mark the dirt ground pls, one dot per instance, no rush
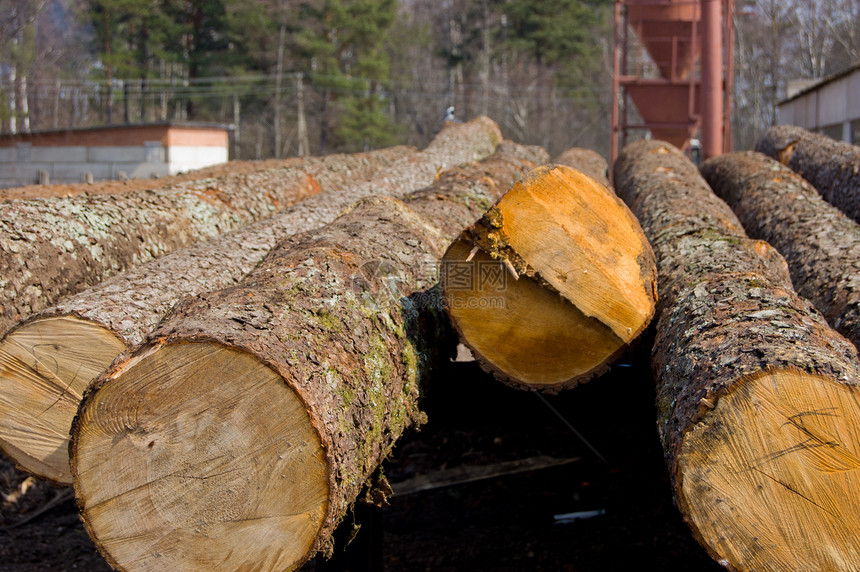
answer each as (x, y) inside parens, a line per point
(505, 522)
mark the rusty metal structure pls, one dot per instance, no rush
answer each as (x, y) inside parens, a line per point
(673, 61)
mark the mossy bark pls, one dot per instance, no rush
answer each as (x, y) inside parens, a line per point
(819, 242)
(55, 247)
(727, 314)
(122, 310)
(833, 167)
(132, 304)
(346, 316)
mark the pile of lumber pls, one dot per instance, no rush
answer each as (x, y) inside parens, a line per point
(221, 404)
(45, 381)
(51, 248)
(831, 166)
(757, 397)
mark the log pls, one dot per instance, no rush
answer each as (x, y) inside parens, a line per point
(47, 362)
(582, 283)
(833, 167)
(757, 397)
(820, 243)
(239, 435)
(586, 161)
(55, 247)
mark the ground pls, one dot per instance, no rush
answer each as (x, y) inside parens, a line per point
(500, 523)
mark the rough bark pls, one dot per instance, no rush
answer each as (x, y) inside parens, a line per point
(82, 335)
(55, 247)
(582, 282)
(833, 167)
(820, 243)
(757, 397)
(586, 161)
(338, 322)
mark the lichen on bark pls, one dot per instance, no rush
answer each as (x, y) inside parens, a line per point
(340, 314)
(819, 242)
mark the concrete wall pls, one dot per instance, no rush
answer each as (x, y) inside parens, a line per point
(21, 165)
(830, 109)
(111, 152)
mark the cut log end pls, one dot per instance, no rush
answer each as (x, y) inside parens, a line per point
(527, 334)
(786, 443)
(579, 280)
(45, 366)
(226, 476)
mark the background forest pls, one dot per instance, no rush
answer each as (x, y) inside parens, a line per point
(316, 76)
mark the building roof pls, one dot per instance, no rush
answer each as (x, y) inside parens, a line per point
(131, 134)
(825, 81)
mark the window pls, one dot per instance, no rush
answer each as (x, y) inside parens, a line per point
(833, 131)
(855, 131)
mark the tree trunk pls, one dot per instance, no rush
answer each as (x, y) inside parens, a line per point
(757, 397)
(81, 336)
(552, 283)
(301, 122)
(831, 166)
(270, 404)
(55, 247)
(276, 103)
(820, 243)
(586, 161)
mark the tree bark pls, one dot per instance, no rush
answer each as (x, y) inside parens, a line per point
(55, 247)
(831, 166)
(820, 243)
(586, 161)
(757, 397)
(582, 283)
(269, 405)
(51, 358)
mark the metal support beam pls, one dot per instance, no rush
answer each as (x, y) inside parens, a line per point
(712, 78)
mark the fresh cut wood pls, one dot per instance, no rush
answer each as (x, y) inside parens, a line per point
(47, 362)
(833, 167)
(819, 242)
(54, 247)
(552, 283)
(239, 435)
(757, 397)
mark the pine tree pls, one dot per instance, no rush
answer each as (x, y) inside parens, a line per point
(343, 43)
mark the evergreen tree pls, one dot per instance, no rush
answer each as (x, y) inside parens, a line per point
(343, 43)
(553, 31)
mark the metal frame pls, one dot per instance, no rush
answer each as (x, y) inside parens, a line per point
(691, 117)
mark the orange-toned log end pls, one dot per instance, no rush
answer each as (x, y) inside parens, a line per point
(769, 478)
(552, 283)
(195, 456)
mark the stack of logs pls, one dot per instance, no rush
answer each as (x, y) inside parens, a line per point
(221, 406)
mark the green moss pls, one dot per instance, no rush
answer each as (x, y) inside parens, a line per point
(714, 234)
(410, 359)
(346, 393)
(753, 282)
(474, 198)
(328, 321)
(391, 326)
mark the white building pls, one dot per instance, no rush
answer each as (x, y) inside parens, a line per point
(830, 106)
(114, 152)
